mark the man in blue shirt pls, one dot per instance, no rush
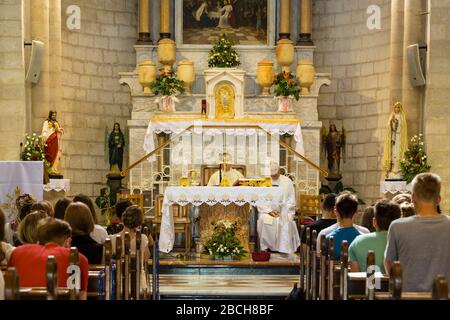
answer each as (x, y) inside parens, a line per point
(346, 207)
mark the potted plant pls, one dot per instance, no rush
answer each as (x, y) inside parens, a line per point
(223, 54)
(286, 86)
(223, 243)
(415, 160)
(167, 85)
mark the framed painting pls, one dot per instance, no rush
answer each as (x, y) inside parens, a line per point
(245, 22)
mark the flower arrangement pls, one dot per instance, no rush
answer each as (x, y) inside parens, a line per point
(286, 85)
(167, 84)
(223, 242)
(415, 160)
(34, 149)
(223, 55)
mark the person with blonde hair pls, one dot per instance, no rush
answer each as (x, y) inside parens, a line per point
(396, 142)
(28, 227)
(80, 219)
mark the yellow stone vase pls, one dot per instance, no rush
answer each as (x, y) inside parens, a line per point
(167, 53)
(147, 75)
(305, 75)
(265, 76)
(285, 54)
(186, 72)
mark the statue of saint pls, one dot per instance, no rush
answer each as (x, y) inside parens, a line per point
(334, 147)
(396, 142)
(51, 138)
(224, 102)
(116, 143)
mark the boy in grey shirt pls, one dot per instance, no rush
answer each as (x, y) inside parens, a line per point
(421, 243)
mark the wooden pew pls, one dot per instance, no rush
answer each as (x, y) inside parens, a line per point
(126, 269)
(330, 268)
(308, 264)
(302, 262)
(323, 269)
(119, 273)
(313, 265)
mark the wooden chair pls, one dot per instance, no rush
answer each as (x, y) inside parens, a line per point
(181, 219)
(309, 206)
(208, 170)
(136, 199)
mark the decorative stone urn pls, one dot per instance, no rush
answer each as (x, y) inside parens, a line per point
(147, 75)
(186, 73)
(265, 77)
(167, 53)
(305, 75)
(285, 54)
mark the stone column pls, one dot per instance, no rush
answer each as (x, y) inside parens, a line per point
(165, 19)
(304, 37)
(285, 20)
(144, 22)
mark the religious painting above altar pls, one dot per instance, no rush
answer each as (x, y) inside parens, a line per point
(244, 21)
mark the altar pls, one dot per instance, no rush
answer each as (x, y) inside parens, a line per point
(211, 196)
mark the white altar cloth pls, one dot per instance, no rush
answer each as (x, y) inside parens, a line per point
(394, 187)
(211, 196)
(169, 126)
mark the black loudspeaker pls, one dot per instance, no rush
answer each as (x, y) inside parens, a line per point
(37, 56)
(415, 72)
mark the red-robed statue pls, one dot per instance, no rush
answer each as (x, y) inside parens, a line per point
(51, 137)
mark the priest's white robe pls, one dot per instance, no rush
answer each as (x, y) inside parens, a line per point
(281, 233)
(233, 176)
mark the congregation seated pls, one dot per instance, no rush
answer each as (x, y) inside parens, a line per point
(346, 207)
(30, 260)
(27, 232)
(44, 206)
(421, 242)
(116, 224)
(80, 219)
(328, 216)
(225, 172)
(99, 233)
(60, 208)
(385, 212)
(132, 219)
(277, 230)
(6, 248)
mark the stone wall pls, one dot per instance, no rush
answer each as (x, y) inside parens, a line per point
(437, 107)
(93, 99)
(358, 97)
(12, 80)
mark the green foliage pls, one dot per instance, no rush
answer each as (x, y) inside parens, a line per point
(167, 84)
(223, 55)
(223, 242)
(415, 160)
(106, 200)
(286, 85)
(338, 189)
(33, 149)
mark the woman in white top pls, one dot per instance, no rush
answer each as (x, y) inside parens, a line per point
(99, 234)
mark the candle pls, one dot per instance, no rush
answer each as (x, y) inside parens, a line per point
(203, 107)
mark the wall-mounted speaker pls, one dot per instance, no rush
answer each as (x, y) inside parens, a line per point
(415, 72)
(36, 59)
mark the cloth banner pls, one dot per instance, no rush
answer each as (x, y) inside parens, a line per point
(16, 178)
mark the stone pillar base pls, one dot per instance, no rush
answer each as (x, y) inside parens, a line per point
(115, 182)
(144, 38)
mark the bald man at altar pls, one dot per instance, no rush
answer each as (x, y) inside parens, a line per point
(276, 227)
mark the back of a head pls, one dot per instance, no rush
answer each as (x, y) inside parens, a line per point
(426, 187)
(366, 220)
(53, 230)
(133, 217)
(329, 202)
(407, 210)
(80, 219)
(121, 206)
(43, 206)
(87, 201)
(346, 205)
(25, 209)
(28, 227)
(385, 212)
(402, 198)
(60, 208)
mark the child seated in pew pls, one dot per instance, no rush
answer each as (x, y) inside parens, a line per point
(27, 232)
(385, 212)
(116, 225)
(99, 233)
(60, 208)
(346, 207)
(30, 260)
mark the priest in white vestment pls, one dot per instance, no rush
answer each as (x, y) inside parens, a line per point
(225, 172)
(277, 229)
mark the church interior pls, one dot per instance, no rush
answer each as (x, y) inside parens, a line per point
(224, 149)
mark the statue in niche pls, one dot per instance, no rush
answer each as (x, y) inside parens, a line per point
(116, 144)
(224, 97)
(52, 138)
(396, 143)
(334, 149)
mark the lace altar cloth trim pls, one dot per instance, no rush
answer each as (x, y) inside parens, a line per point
(395, 187)
(57, 185)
